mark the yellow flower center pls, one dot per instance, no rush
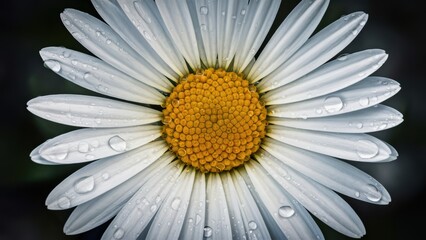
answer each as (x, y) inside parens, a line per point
(213, 120)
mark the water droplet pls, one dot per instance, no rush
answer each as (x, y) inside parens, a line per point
(83, 147)
(176, 203)
(60, 152)
(203, 27)
(153, 208)
(382, 126)
(87, 76)
(85, 184)
(119, 233)
(243, 12)
(74, 62)
(286, 211)
(366, 149)
(117, 143)
(359, 125)
(362, 23)
(204, 10)
(105, 176)
(208, 231)
(333, 104)
(357, 194)
(108, 41)
(364, 101)
(90, 157)
(318, 110)
(197, 219)
(54, 65)
(252, 225)
(373, 194)
(64, 202)
(343, 57)
(355, 32)
(223, 13)
(66, 54)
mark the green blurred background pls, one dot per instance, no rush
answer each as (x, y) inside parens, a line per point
(27, 26)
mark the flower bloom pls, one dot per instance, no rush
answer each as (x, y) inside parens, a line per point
(205, 140)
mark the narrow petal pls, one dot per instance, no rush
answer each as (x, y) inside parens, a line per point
(367, 93)
(218, 225)
(193, 226)
(292, 218)
(316, 51)
(289, 37)
(232, 14)
(86, 111)
(147, 19)
(178, 21)
(102, 41)
(112, 14)
(330, 172)
(37, 158)
(95, 75)
(258, 19)
(319, 200)
(88, 182)
(330, 77)
(169, 220)
(356, 147)
(363, 121)
(94, 143)
(101, 209)
(142, 207)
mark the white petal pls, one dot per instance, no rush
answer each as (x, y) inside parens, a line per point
(289, 37)
(169, 220)
(193, 226)
(99, 210)
(351, 146)
(94, 74)
(330, 77)
(111, 12)
(102, 41)
(86, 111)
(320, 201)
(37, 158)
(330, 172)
(292, 218)
(147, 19)
(229, 29)
(88, 182)
(178, 21)
(218, 225)
(142, 207)
(250, 212)
(259, 17)
(316, 51)
(367, 120)
(93, 143)
(367, 93)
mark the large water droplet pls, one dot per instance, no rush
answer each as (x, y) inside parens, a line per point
(54, 65)
(204, 10)
(60, 152)
(119, 233)
(85, 184)
(333, 104)
(64, 202)
(208, 231)
(373, 194)
(252, 225)
(176, 203)
(83, 147)
(286, 211)
(117, 143)
(366, 149)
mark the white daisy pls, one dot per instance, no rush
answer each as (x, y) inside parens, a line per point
(215, 144)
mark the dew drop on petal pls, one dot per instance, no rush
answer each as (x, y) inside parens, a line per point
(197, 219)
(364, 101)
(286, 211)
(204, 10)
(359, 125)
(366, 149)
(105, 176)
(176, 203)
(243, 12)
(60, 153)
(333, 104)
(357, 194)
(343, 57)
(64, 202)
(208, 231)
(90, 157)
(83, 147)
(54, 65)
(153, 208)
(117, 143)
(373, 194)
(85, 184)
(119, 233)
(252, 225)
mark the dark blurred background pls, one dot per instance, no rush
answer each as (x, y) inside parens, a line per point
(27, 26)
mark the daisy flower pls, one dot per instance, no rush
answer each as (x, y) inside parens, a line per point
(207, 136)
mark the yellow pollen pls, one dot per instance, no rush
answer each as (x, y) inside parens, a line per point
(213, 120)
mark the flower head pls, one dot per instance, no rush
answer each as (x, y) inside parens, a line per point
(211, 136)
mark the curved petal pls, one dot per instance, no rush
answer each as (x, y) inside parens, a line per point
(363, 121)
(330, 77)
(37, 158)
(289, 37)
(93, 143)
(367, 93)
(258, 19)
(319, 200)
(89, 181)
(95, 75)
(147, 19)
(316, 51)
(142, 207)
(86, 111)
(102, 41)
(111, 12)
(101, 209)
(357, 146)
(330, 172)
